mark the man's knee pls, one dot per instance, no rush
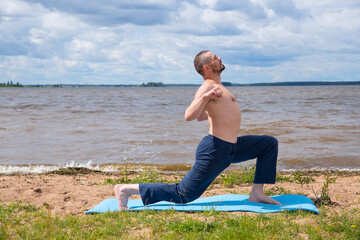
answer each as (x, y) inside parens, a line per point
(272, 141)
(191, 193)
(189, 197)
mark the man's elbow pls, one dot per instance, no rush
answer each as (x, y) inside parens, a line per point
(188, 117)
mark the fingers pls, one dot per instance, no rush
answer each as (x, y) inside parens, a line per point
(216, 92)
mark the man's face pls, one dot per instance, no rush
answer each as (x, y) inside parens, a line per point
(216, 63)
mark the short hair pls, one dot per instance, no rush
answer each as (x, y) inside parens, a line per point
(200, 60)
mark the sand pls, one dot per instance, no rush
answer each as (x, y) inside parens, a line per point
(74, 194)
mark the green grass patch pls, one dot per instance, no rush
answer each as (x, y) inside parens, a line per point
(277, 191)
(23, 221)
(247, 174)
(235, 177)
(73, 171)
(324, 198)
(146, 176)
(301, 179)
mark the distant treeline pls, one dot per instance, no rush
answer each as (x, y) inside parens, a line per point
(313, 83)
(153, 84)
(11, 84)
(79, 85)
(160, 84)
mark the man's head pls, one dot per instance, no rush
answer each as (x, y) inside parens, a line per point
(206, 61)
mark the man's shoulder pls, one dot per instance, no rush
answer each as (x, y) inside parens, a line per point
(207, 85)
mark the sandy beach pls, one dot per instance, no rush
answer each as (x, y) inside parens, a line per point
(74, 194)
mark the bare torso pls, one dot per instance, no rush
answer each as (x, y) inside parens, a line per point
(224, 116)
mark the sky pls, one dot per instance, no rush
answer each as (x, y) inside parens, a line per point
(139, 41)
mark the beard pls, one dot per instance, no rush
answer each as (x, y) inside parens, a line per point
(222, 68)
(218, 68)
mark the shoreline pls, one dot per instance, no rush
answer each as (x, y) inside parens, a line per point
(33, 169)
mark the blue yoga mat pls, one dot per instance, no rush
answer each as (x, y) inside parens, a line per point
(225, 203)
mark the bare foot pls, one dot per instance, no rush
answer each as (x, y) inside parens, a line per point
(262, 198)
(258, 195)
(123, 192)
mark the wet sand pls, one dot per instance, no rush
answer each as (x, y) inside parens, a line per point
(74, 194)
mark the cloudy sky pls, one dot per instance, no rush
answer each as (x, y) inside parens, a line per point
(136, 41)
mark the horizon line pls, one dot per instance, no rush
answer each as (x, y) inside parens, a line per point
(294, 83)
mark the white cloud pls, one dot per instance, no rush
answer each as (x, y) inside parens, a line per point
(135, 41)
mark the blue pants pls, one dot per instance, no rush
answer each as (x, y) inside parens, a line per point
(213, 155)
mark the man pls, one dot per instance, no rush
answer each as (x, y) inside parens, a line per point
(215, 103)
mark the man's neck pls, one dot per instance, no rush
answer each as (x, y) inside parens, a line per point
(212, 81)
(215, 78)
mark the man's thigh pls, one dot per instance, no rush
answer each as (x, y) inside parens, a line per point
(250, 147)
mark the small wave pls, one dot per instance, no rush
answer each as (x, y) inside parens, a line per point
(37, 169)
(319, 169)
(87, 111)
(78, 132)
(174, 155)
(107, 168)
(270, 102)
(332, 139)
(245, 110)
(317, 98)
(315, 127)
(265, 130)
(32, 106)
(164, 142)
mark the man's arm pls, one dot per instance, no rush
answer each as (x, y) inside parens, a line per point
(202, 117)
(205, 93)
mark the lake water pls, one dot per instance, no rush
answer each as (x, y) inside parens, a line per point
(318, 127)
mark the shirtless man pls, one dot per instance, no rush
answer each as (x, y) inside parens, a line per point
(216, 151)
